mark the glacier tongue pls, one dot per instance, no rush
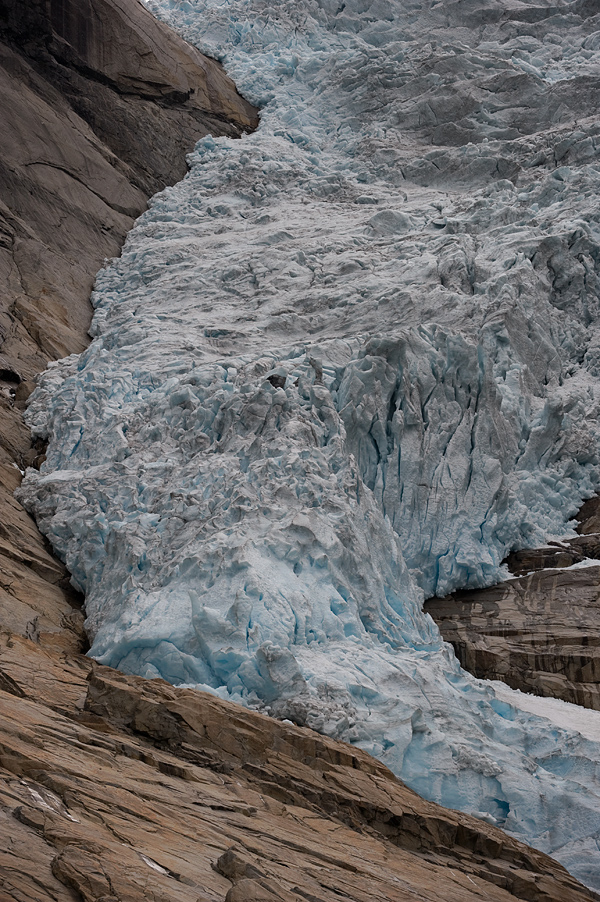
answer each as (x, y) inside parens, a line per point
(350, 361)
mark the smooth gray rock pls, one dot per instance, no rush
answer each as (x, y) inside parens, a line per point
(90, 128)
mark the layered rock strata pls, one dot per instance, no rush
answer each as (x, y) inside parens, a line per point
(117, 788)
(113, 788)
(539, 632)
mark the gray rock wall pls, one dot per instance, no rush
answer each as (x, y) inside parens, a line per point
(99, 104)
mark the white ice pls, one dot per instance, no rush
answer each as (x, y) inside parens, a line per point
(349, 362)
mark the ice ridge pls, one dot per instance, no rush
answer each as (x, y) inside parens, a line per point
(349, 362)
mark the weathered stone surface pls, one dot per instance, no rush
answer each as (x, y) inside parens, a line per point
(117, 788)
(539, 633)
(522, 562)
(144, 92)
(99, 104)
(557, 554)
(589, 517)
(113, 789)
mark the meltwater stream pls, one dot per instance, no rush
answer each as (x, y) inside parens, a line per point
(349, 362)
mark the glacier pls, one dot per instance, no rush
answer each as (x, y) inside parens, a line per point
(349, 362)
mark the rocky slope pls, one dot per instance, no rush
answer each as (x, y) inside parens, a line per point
(539, 632)
(351, 360)
(119, 789)
(112, 787)
(99, 104)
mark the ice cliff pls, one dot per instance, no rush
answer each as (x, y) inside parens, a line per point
(349, 362)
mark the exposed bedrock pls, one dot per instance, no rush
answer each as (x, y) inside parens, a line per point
(539, 632)
(99, 103)
(120, 789)
(348, 361)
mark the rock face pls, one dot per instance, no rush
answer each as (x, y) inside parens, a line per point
(112, 788)
(540, 632)
(99, 103)
(117, 788)
(555, 554)
(585, 546)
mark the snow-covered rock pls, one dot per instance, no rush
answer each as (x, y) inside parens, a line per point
(349, 362)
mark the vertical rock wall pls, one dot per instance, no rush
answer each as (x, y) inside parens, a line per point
(99, 104)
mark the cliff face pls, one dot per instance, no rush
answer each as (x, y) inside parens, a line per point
(538, 632)
(99, 104)
(120, 789)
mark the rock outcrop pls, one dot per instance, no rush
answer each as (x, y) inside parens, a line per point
(99, 103)
(112, 788)
(117, 788)
(539, 632)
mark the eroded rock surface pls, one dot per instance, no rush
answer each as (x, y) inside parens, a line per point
(539, 632)
(99, 104)
(117, 788)
(113, 788)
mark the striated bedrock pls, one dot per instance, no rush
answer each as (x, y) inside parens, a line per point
(351, 360)
(119, 789)
(99, 104)
(539, 633)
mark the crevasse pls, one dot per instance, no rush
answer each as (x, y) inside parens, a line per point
(348, 362)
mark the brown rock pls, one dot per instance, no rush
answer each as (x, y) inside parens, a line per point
(522, 562)
(254, 891)
(236, 868)
(559, 554)
(99, 104)
(539, 633)
(117, 788)
(112, 788)
(589, 517)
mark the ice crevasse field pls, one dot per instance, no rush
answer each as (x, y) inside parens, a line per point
(349, 362)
